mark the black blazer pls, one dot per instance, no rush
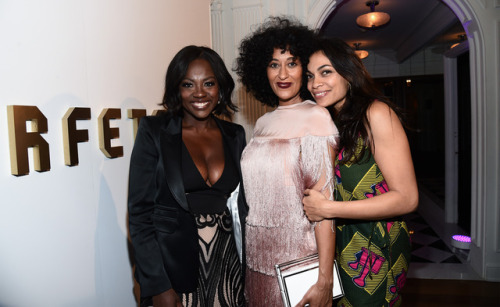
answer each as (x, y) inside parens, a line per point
(162, 230)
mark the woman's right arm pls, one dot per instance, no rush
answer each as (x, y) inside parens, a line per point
(149, 268)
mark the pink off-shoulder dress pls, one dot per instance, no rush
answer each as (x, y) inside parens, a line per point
(291, 150)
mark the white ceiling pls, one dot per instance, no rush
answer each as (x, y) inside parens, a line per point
(414, 24)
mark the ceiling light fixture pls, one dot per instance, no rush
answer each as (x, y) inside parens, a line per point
(462, 38)
(360, 53)
(373, 19)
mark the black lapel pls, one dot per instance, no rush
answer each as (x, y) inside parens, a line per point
(232, 141)
(170, 143)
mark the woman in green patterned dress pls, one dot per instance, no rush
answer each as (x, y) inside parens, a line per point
(374, 173)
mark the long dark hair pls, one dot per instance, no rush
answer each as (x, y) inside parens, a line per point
(352, 120)
(177, 70)
(256, 51)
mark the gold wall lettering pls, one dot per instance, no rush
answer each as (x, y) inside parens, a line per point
(20, 139)
(72, 136)
(106, 133)
(135, 115)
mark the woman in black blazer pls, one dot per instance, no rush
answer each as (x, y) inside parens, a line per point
(183, 168)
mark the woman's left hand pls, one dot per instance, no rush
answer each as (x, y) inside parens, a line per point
(317, 296)
(313, 205)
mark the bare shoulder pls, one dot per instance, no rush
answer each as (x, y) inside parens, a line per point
(380, 112)
(384, 122)
(382, 116)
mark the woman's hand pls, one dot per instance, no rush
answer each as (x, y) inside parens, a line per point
(167, 299)
(314, 203)
(319, 295)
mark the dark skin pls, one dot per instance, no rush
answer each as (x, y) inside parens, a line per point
(167, 298)
(201, 135)
(205, 147)
(200, 94)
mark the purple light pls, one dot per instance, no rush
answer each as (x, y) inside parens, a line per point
(461, 241)
(462, 238)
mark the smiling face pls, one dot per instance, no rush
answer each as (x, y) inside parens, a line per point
(199, 91)
(327, 86)
(284, 73)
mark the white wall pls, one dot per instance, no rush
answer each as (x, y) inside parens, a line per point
(63, 233)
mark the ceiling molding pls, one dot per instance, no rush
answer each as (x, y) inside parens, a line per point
(319, 12)
(440, 19)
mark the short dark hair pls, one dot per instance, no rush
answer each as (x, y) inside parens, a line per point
(256, 52)
(177, 70)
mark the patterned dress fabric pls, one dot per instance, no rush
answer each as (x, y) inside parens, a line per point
(290, 151)
(373, 256)
(220, 280)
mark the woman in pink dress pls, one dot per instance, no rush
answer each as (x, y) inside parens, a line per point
(291, 150)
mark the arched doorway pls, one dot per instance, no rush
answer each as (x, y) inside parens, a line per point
(465, 13)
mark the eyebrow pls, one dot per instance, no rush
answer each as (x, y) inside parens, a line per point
(207, 78)
(293, 58)
(320, 68)
(323, 66)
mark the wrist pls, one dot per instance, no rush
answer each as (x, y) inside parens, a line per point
(325, 281)
(332, 209)
(325, 208)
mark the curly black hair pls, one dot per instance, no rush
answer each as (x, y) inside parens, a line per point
(177, 70)
(256, 51)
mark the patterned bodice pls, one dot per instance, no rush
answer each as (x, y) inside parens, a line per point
(354, 181)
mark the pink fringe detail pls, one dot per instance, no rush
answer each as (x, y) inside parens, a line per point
(277, 229)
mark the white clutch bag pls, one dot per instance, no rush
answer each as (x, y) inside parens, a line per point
(297, 276)
(232, 204)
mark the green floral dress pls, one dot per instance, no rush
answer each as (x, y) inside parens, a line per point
(373, 256)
